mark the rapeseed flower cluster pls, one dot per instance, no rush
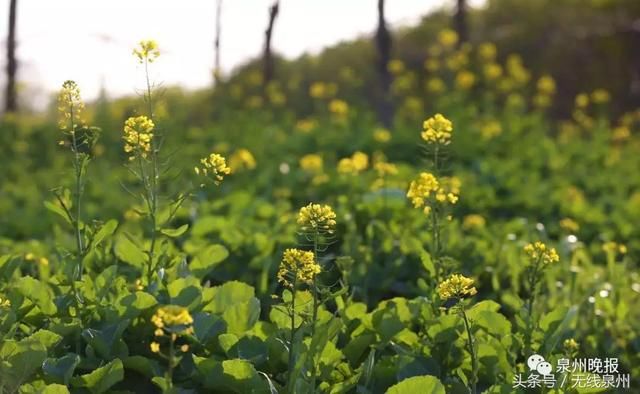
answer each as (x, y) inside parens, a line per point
(353, 165)
(138, 134)
(173, 320)
(426, 189)
(317, 218)
(297, 266)
(146, 51)
(538, 251)
(311, 163)
(437, 130)
(215, 166)
(70, 106)
(456, 286)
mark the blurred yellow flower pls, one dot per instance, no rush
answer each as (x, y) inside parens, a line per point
(435, 85)
(146, 51)
(214, 165)
(492, 71)
(539, 252)
(306, 125)
(600, 96)
(353, 165)
(473, 221)
(465, 80)
(582, 100)
(381, 135)
(546, 85)
(614, 247)
(70, 106)
(448, 38)
(569, 225)
(311, 163)
(155, 347)
(487, 51)
(339, 107)
(396, 66)
(490, 129)
(432, 64)
(242, 159)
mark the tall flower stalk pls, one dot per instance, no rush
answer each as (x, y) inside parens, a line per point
(80, 140)
(539, 256)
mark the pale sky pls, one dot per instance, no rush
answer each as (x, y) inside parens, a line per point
(90, 41)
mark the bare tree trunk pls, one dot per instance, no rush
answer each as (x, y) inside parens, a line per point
(383, 42)
(11, 104)
(460, 22)
(268, 56)
(216, 71)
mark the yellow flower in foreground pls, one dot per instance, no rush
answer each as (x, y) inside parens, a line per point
(147, 50)
(540, 252)
(317, 218)
(171, 317)
(138, 133)
(437, 129)
(456, 286)
(297, 266)
(70, 106)
(215, 166)
(155, 347)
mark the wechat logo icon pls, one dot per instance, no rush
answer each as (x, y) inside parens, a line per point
(537, 363)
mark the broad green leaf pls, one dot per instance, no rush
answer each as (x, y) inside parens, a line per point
(58, 210)
(175, 232)
(61, 369)
(237, 376)
(207, 259)
(240, 317)
(101, 379)
(105, 231)
(132, 305)
(228, 294)
(38, 292)
(418, 384)
(129, 252)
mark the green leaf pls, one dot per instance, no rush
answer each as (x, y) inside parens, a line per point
(105, 231)
(230, 293)
(207, 326)
(132, 305)
(175, 232)
(61, 369)
(208, 259)
(129, 252)
(418, 384)
(104, 341)
(58, 210)
(238, 376)
(20, 360)
(427, 263)
(38, 292)
(555, 329)
(240, 317)
(145, 366)
(103, 378)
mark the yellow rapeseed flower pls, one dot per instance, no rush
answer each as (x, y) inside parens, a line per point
(215, 166)
(155, 347)
(138, 134)
(546, 85)
(242, 159)
(600, 96)
(317, 218)
(173, 318)
(456, 286)
(70, 106)
(437, 129)
(311, 163)
(146, 51)
(571, 346)
(184, 348)
(435, 85)
(538, 251)
(492, 71)
(396, 66)
(381, 135)
(297, 266)
(582, 100)
(353, 165)
(339, 107)
(448, 38)
(614, 247)
(473, 221)
(465, 80)
(569, 224)
(487, 51)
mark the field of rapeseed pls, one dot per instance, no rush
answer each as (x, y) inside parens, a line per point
(145, 248)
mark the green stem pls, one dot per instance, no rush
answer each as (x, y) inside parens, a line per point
(472, 351)
(315, 309)
(171, 360)
(533, 279)
(293, 329)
